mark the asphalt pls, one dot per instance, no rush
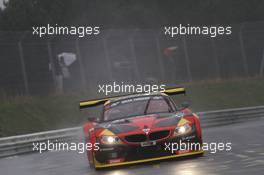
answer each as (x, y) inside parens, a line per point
(246, 157)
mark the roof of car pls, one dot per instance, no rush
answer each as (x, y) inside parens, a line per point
(134, 96)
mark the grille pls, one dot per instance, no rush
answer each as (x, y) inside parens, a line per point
(136, 138)
(159, 135)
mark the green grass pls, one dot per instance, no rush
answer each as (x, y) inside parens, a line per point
(22, 114)
(215, 95)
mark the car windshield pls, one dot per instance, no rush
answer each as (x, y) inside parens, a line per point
(137, 106)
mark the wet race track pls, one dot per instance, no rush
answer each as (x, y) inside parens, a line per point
(246, 157)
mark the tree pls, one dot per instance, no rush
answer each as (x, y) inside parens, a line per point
(23, 14)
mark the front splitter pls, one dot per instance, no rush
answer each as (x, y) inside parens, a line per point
(99, 165)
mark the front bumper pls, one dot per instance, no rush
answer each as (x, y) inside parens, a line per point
(124, 154)
(102, 165)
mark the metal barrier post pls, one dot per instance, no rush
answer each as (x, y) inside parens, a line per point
(243, 53)
(51, 62)
(187, 58)
(107, 59)
(80, 61)
(217, 66)
(132, 47)
(23, 67)
(160, 61)
(262, 65)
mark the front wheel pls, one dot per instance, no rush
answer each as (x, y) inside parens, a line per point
(91, 160)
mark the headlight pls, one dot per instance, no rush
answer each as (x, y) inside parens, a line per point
(181, 130)
(110, 140)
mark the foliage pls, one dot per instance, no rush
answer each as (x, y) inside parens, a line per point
(23, 14)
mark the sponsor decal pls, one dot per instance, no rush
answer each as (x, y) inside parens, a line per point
(183, 151)
(150, 143)
(188, 137)
(106, 149)
(116, 160)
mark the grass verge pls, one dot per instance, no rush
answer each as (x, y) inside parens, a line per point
(23, 114)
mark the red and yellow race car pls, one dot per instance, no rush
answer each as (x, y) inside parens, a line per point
(141, 128)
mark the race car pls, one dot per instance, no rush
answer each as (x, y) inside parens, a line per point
(141, 128)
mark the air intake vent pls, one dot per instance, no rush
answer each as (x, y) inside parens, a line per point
(159, 135)
(136, 138)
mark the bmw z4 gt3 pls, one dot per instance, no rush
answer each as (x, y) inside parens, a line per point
(141, 128)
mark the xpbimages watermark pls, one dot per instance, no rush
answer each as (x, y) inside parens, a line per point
(212, 147)
(80, 31)
(212, 31)
(81, 147)
(54, 146)
(129, 88)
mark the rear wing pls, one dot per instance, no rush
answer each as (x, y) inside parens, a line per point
(96, 102)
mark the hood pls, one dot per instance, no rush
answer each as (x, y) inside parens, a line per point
(142, 122)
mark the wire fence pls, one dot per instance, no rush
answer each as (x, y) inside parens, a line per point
(28, 63)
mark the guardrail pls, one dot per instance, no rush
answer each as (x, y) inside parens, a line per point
(230, 116)
(24, 143)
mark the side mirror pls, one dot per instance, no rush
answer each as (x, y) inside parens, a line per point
(185, 105)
